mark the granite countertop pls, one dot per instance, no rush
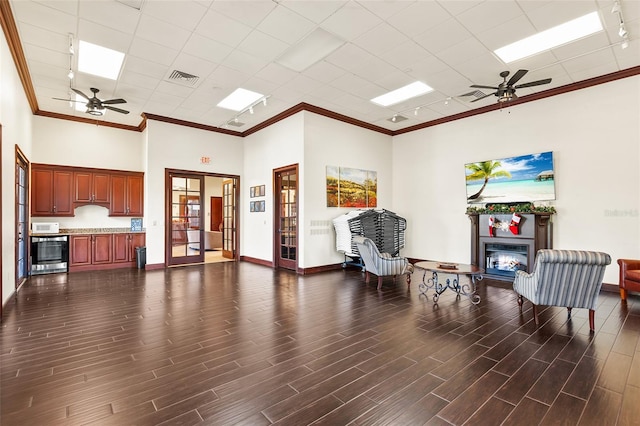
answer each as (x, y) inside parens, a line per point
(75, 231)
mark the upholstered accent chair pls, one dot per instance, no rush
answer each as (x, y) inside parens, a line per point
(569, 278)
(381, 264)
(629, 276)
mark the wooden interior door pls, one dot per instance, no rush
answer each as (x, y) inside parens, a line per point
(216, 213)
(286, 217)
(22, 218)
(229, 231)
(185, 213)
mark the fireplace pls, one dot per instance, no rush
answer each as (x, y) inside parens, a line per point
(502, 251)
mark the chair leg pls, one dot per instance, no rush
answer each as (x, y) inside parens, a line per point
(379, 283)
(366, 277)
(520, 302)
(592, 320)
(408, 280)
(623, 293)
(568, 312)
(535, 314)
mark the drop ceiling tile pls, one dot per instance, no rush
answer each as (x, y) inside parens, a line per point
(137, 85)
(457, 7)
(143, 67)
(315, 11)
(276, 73)
(47, 56)
(222, 29)
(163, 33)
(419, 17)
(385, 9)
(581, 47)
(325, 92)
(102, 36)
(225, 77)
(507, 32)
(173, 89)
(557, 12)
(244, 62)
(442, 36)
(394, 80)
(184, 14)
(350, 83)
(374, 69)
(381, 39)
(207, 49)
(286, 25)
(350, 21)
(47, 39)
(152, 52)
(263, 46)
(584, 63)
(324, 71)
(259, 85)
(44, 17)
(489, 14)
(349, 57)
(248, 12)
(462, 52)
(110, 14)
(405, 54)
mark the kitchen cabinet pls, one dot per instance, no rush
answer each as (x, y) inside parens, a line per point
(91, 187)
(93, 252)
(58, 190)
(90, 249)
(51, 192)
(124, 246)
(126, 195)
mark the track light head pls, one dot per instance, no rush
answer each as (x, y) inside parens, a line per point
(622, 32)
(616, 8)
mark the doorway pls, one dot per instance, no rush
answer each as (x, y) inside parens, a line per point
(193, 218)
(22, 217)
(286, 217)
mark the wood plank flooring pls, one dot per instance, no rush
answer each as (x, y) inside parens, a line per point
(239, 343)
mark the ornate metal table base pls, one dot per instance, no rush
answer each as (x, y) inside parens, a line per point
(453, 283)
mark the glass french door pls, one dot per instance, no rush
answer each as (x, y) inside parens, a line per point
(286, 213)
(186, 218)
(22, 225)
(229, 219)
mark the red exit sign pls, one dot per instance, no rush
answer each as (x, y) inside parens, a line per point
(205, 160)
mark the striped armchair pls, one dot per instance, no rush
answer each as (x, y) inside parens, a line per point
(568, 278)
(381, 264)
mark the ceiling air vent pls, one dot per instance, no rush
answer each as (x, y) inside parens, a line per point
(235, 123)
(183, 78)
(397, 118)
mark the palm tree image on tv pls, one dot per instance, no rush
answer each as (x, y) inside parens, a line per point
(485, 170)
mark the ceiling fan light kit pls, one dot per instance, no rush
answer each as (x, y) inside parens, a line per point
(506, 91)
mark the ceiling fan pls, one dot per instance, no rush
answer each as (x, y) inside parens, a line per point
(94, 105)
(506, 91)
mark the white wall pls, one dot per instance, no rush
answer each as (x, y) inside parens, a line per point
(334, 143)
(169, 146)
(595, 138)
(15, 118)
(279, 145)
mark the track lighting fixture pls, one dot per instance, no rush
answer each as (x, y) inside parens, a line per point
(70, 74)
(622, 31)
(235, 121)
(415, 111)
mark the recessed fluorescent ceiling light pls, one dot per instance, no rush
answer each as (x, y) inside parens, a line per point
(100, 61)
(402, 94)
(553, 37)
(311, 49)
(239, 99)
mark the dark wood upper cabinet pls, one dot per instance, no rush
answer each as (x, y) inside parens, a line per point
(51, 192)
(58, 190)
(91, 187)
(126, 195)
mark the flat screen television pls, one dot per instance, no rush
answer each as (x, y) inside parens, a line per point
(526, 178)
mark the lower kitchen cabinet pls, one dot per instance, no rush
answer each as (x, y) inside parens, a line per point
(124, 246)
(91, 252)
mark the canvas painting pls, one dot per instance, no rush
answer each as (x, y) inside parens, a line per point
(347, 187)
(525, 178)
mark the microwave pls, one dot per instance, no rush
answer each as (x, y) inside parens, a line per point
(45, 227)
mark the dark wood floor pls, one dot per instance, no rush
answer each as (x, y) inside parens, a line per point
(241, 343)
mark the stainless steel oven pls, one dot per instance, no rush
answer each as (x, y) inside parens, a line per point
(49, 254)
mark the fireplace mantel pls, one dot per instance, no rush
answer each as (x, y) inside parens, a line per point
(534, 234)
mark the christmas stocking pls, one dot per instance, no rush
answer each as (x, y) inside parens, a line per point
(492, 229)
(514, 226)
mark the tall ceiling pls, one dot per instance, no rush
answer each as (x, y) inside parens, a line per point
(387, 44)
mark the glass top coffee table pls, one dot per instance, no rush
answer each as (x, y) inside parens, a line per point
(451, 272)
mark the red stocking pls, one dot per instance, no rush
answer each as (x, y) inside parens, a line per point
(492, 229)
(514, 226)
